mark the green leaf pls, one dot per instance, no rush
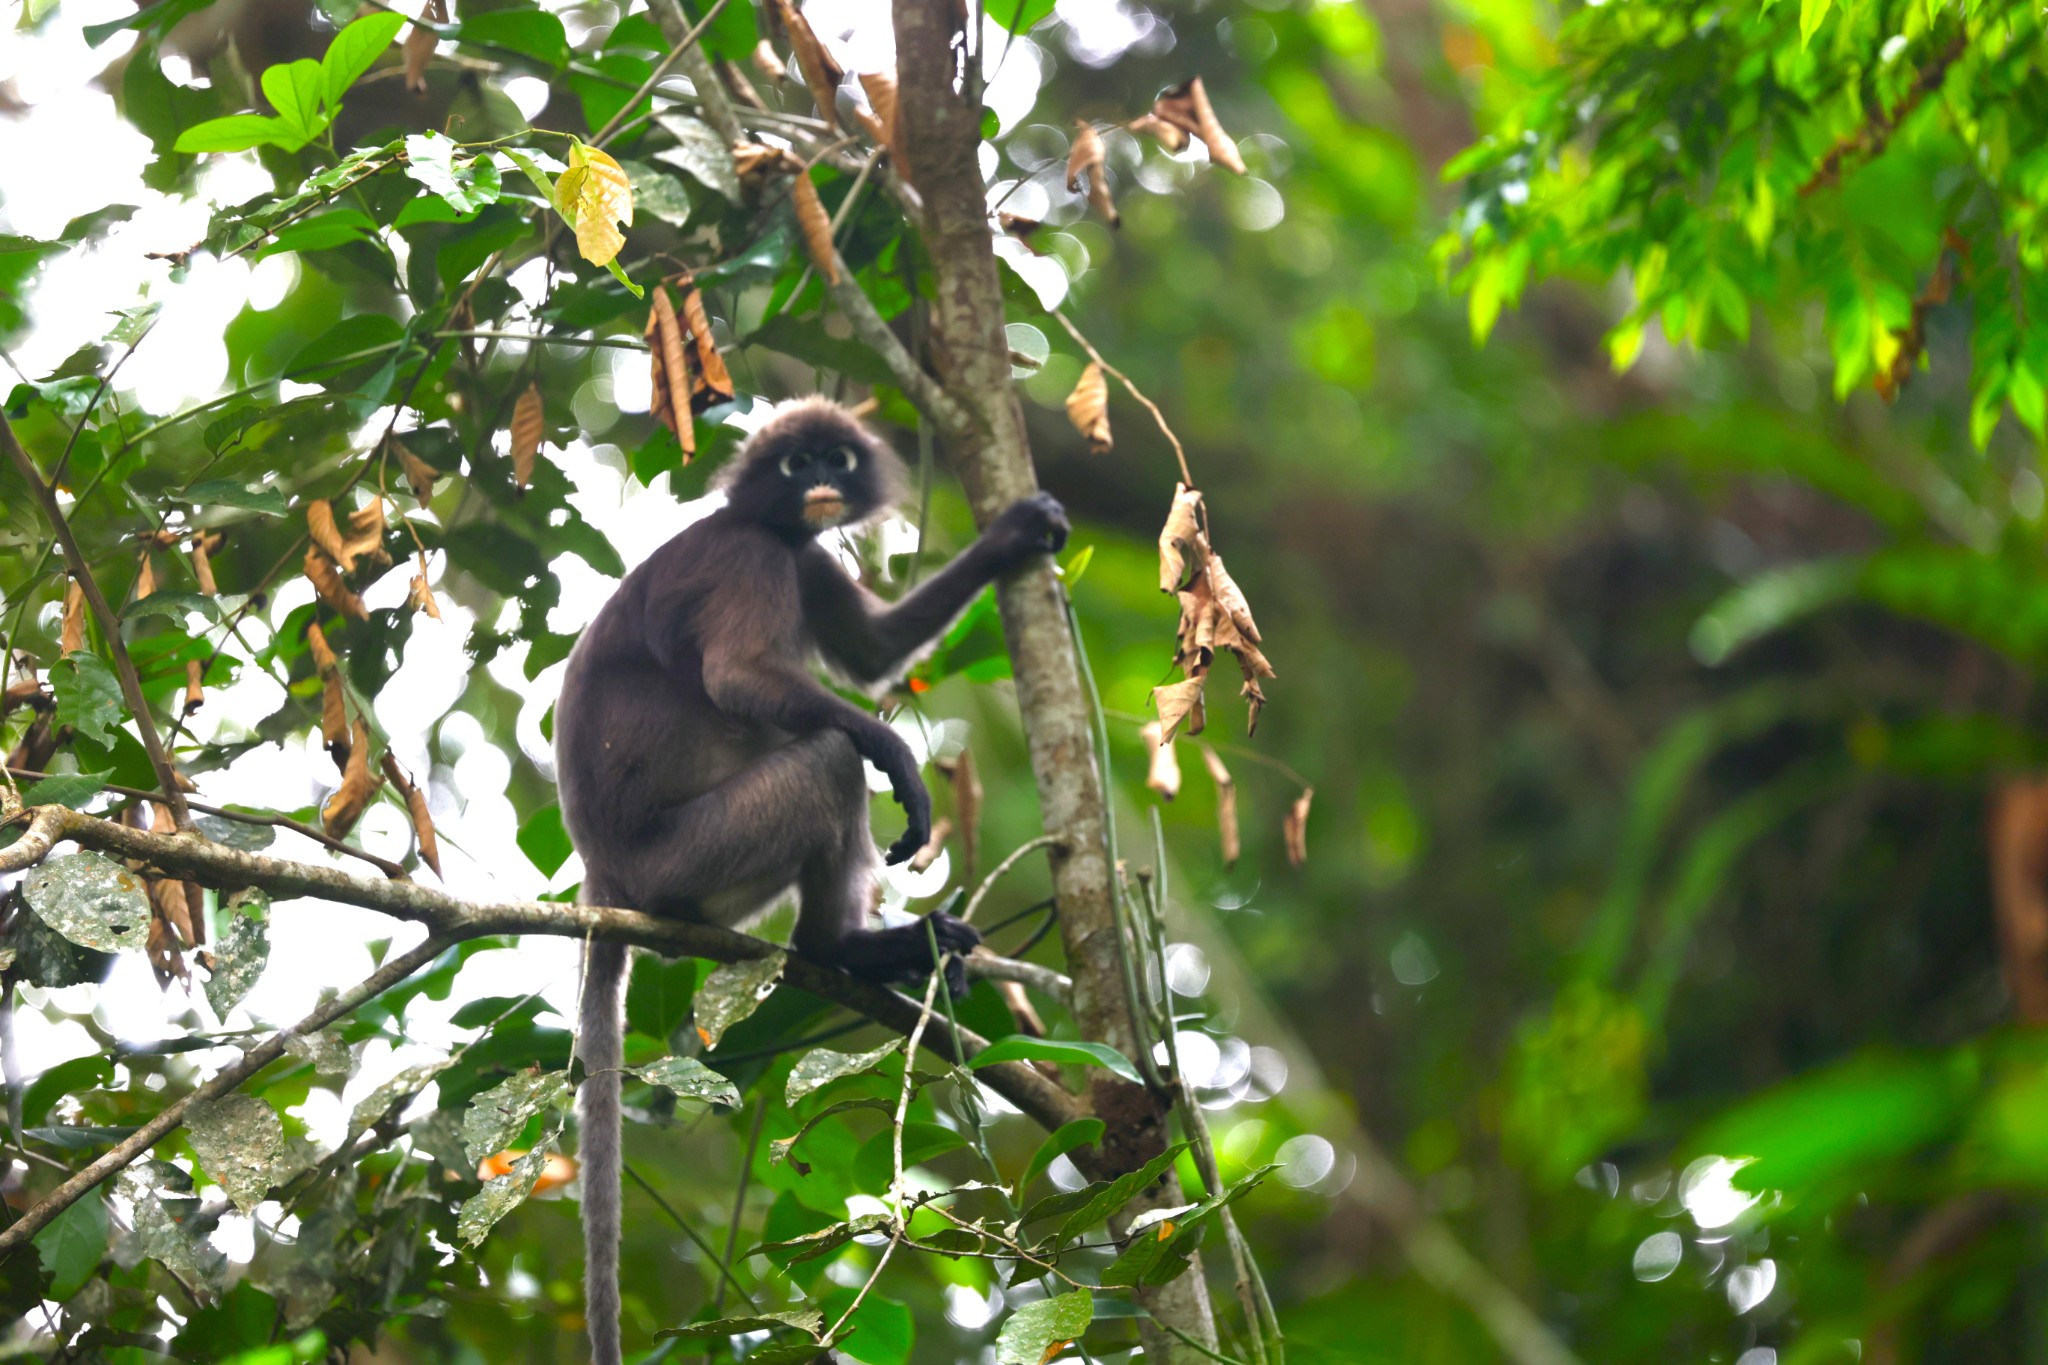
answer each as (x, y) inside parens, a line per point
(267, 498)
(1078, 1133)
(239, 1141)
(499, 1196)
(807, 1320)
(1020, 1047)
(529, 32)
(497, 1117)
(691, 1079)
(354, 51)
(1105, 1203)
(880, 1332)
(293, 89)
(74, 1077)
(542, 181)
(701, 152)
(321, 231)
(1019, 16)
(172, 606)
(238, 133)
(733, 992)
(350, 342)
(1035, 1332)
(874, 1165)
(237, 961)
(815, 1244)
(545, 841)
(619, 274)
(72, 1245)
(1770, 601)
(88, 695)
(821, 1066)
(67, 789)
(430, 159)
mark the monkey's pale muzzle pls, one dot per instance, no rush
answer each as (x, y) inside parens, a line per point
(824, 505)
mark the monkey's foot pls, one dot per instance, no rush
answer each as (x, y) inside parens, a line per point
(904, 953)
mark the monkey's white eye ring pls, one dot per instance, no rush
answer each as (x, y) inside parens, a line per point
(840, 457)
(787, 464)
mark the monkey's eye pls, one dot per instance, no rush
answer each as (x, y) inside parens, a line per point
(840, 457)
(792, 462)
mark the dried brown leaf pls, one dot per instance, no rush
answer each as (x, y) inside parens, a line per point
(1020, 227)
(419, 475)
(1230, 599)
(145, 576)
(768, 64)
(942, 830)
(1179, 701)
(1088, 408)
(1021, 1009)
(365, 538)
(1187, 106)
(2018, 828)
(420, 44)
(1294, 827)
(753, 160)
(326, 534)
(1084, 165)
(195, 685)
(528, 422)
(358, 784)
(73, 637)
(666, 366)
(420, 597)
(816, 226)
(1163, 772)
(323, 652)
(1171, 136)
(1181, 540)
(168, 901)
(821, 73)
(161, 948)
(882, 96)
(1226, 805)
(334, 717)
(712, 382)
(416, 807)
(201, 549)
(326, 580)
(967, 798)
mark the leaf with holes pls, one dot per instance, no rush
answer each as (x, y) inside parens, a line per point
(239, 1141)
(499, 1115)
(1039, 1331)
(691, 1079)
(733, 992)
(91, 900)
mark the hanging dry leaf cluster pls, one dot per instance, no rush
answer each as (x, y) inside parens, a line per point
(337, 554)
(1213, 615)
(1180, 113)
(689, 374)
(177, 909)
(348, 740)
(420, 44)
(1088, 408)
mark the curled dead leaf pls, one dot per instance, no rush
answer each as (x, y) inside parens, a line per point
(420, 44)
(161, 948)
(1020, 227)
(1163, 770)
(767, 63)
(712, 382)
(967, 796)
(1181, 539)
(347, 803)
(323, 653)
(419, 475)
(145, 576)
(934, 845)
(1294, 827)
(202, 550)
(326, 534)
(1226, 805)
(420, 597)
(821, 73)
(195, 689)
(753, 160)
(816, 226)
(326, 580)
(1179, 701)
(670, 376)
(416, 807)
(1186, 106)
(528, 426)
(1084, 167)
(882, 95)
(72, 638)
(1171, 136)
(1088, 408)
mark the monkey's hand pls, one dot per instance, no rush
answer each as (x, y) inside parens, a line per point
(1029, 526)
(893, 757)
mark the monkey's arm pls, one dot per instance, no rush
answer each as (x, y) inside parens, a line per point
(871, 639)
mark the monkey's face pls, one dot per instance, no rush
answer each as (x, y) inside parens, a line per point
(827, 484)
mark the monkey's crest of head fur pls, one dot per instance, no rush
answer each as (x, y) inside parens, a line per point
(811, 452)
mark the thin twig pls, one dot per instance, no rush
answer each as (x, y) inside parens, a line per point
(739, 1205)
(122, 1153)
(654, 78)
(110, 624)
(1017, 854)
(1178, 453)
(696, 1238)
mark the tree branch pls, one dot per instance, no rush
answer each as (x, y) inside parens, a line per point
(121, 1154)
(110, 624)
(453, 920)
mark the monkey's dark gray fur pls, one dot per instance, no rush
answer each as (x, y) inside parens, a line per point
(704, 770)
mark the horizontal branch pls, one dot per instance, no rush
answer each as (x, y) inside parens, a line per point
(196, 858)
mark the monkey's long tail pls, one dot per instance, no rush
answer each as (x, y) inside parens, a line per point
(601, 1045)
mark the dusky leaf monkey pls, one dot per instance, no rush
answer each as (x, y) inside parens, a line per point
(704, 770)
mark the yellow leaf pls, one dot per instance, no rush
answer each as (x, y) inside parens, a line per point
(596, 199)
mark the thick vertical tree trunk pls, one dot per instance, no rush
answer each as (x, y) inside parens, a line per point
(941, 138)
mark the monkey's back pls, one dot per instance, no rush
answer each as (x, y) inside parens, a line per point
(636, 731)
